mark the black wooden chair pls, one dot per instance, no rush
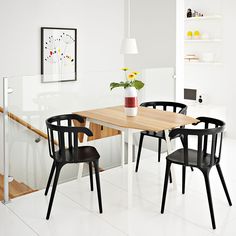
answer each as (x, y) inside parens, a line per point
(63, 148)
(204, 157)
(175, 107)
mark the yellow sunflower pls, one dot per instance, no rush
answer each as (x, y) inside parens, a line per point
(131, 76)
(136, 72)
(125, 69)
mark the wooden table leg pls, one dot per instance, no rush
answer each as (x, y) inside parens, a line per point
(169, 150)
(168, 143)
(130, 167)
(122, 149)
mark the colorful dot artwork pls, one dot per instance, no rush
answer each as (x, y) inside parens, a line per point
(57, 49)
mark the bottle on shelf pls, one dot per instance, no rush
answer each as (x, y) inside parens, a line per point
(189, 13)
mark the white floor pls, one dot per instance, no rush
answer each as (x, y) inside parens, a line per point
(75, 209)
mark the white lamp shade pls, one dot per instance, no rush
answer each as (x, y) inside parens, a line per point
(129, 46)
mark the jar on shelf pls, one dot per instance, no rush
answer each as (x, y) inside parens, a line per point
(197, 34)
(189, 35)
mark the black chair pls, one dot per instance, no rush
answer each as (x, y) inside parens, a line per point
(204, 157)
(175, 107)
(63, 148)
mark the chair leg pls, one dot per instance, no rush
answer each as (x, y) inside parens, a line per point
(208, 189)
(58, 169)
(183, 179)
(139, 151)
(168, 164)
(224, 184)
(98, 186)
(170, 176)
(159, 150)
(50, 177)
(91, 175)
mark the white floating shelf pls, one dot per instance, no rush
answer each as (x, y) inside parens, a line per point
(202, 40)
(213, 17)
(204, 63)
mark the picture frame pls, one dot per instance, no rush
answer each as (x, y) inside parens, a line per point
(58, 54)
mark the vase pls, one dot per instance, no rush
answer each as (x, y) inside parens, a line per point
(131, 101)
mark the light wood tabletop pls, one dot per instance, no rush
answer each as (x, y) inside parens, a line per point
(147, 118)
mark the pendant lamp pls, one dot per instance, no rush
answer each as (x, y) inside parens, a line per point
(129, 45)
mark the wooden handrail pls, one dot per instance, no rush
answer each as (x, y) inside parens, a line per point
(25, 124)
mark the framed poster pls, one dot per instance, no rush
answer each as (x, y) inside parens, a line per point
(58, 54)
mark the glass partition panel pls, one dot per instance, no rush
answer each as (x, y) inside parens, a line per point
(30, 103)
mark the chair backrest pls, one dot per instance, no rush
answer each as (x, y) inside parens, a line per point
(163, 105)
(63, 136)
(212, 131)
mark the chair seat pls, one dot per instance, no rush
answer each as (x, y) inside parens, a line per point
(85, 154)
(159, 134)
(178, 158)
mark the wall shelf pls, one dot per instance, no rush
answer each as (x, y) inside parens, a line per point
(213, 17)
(202, 40)
(204, 63)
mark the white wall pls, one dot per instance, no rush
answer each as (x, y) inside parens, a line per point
(228, 81)
(153, 25)
(99, 24)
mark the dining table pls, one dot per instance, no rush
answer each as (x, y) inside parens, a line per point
(147, 119)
